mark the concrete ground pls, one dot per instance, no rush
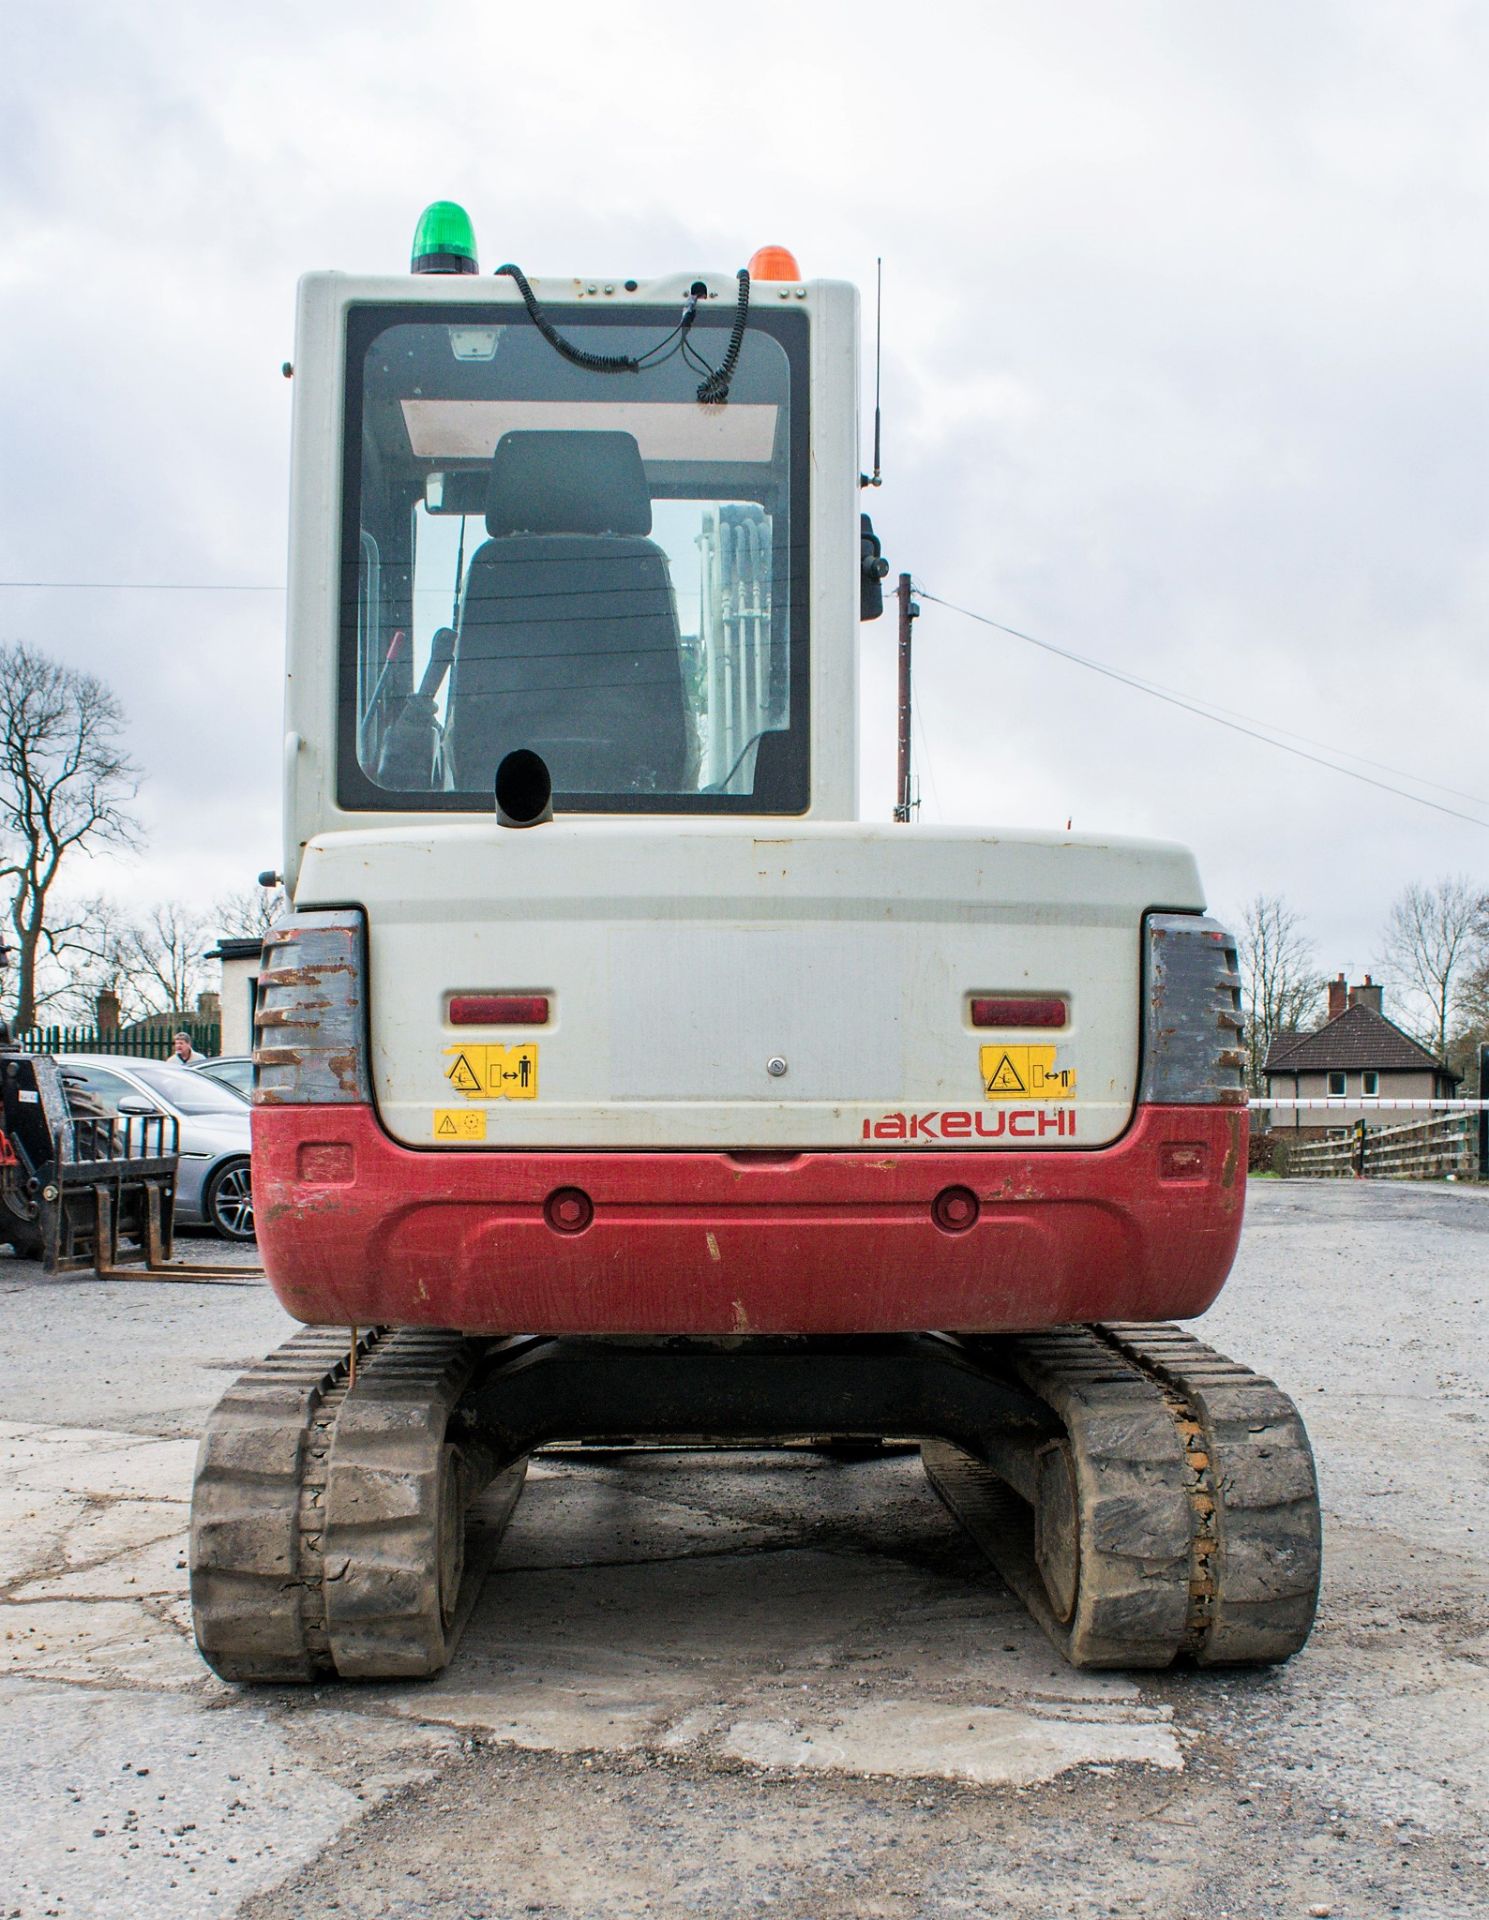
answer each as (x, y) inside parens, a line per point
(761, 1684)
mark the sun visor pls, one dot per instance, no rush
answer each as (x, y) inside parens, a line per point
(663, 430)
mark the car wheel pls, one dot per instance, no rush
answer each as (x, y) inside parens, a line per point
(228, 1202)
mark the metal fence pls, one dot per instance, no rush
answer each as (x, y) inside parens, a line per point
(1446, 1146)
(153, 1044)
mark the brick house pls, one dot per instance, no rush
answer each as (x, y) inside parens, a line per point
(1357, 1055)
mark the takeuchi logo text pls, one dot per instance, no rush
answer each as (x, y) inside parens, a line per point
(999, 1123)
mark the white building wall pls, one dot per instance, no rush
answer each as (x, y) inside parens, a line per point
(1375, 1113)
(239, 983)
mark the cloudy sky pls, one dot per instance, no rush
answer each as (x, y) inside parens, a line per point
(1186, 342)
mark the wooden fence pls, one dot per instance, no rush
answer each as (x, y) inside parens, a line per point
(1446, 1146)
(153, 1044)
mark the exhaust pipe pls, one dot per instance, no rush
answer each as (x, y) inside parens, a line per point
(524, 790)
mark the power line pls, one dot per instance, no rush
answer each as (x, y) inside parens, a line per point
(145, 586)
(925, 754)
(1204, 712)
(1347, 753)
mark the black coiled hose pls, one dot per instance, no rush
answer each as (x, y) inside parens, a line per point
(714, 391)
(594, 362)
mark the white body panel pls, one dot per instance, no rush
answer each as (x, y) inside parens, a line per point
(682, 955)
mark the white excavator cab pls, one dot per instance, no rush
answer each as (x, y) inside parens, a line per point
(569, 552)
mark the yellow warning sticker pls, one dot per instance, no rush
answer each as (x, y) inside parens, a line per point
(462, 1073)
(494, 1073)
(1024, 1073)
(460, 1123)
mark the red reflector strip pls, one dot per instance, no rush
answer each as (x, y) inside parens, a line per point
(499, 1010)
(1012, 1011)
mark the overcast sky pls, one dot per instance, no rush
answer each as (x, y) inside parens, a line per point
(1186, 343)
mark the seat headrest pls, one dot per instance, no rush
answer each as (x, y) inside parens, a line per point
(557, 482)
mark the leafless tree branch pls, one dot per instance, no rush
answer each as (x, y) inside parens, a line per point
(250, 911)
(1280, 982)
(1434, 939)
(66, 783)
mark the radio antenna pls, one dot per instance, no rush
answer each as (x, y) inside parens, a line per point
(876, 478)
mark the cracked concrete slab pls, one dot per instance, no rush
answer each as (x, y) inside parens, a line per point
(124, 1465)
(994, 1746)
(142, 1806)
(765, 1653)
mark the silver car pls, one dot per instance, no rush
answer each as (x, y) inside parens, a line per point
(212, 1181)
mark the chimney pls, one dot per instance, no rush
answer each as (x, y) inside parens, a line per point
(107, 1006)
(209, 1006)
(1366, 995)
(1338, 997)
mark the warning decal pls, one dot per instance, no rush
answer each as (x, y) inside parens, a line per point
(494, 1073)
(460, 1123)
(1024, 1073)
(462, 1076)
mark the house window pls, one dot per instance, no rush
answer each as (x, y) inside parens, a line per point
(1370, 1085)
(1336, 1085)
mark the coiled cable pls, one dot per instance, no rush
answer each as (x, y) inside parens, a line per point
(714, 391)
(592, 362)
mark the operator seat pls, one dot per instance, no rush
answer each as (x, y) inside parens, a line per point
(567, 641)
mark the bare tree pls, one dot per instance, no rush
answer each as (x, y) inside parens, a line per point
(1433, 940)
(65, 784)
(250, 911)
(1471, 1023)
(1280, 983)
(163, 957)
(96, 962)
(154, 962)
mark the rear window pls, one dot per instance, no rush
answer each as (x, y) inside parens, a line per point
(592, 566)
(188, 1092)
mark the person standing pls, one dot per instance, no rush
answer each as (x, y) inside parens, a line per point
(183, 1053)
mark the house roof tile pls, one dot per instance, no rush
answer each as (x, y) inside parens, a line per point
(1358, 1037)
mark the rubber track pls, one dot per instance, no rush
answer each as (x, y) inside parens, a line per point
(395, 1528)
(1269, 1544)
(1133, 1591)
(321, 1510)
(1198, 1507)
(249, 1567)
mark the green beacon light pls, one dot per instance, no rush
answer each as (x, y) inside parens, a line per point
(444, 240)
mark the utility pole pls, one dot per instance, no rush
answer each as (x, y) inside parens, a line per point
(909, 613)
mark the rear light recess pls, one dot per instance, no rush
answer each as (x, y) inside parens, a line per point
(1019, 1010)
(499, 1009)
(310, 1012)
(1194, 1051)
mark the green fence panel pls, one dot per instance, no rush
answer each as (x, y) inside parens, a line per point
(154, 1044)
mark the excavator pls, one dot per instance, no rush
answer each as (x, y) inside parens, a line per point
(616, 1083)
